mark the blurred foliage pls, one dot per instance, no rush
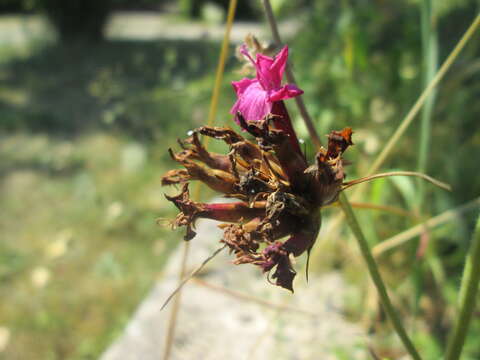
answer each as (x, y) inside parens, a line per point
(77, 20)
(79, 247)
(246, 9)
(76, 118)
(84, 134)
(360, 64)
(367, 73)
(142, 89)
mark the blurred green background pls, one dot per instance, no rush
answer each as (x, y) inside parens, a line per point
(87, 115)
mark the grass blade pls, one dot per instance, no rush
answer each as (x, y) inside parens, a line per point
(411, 233)
(424, 96)
(468, 295)
(430, 64)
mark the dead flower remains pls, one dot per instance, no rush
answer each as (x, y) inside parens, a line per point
(279, 195)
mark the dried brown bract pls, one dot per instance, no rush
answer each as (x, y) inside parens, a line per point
(280, 196)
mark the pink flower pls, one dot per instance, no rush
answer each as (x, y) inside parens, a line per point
(256, 96)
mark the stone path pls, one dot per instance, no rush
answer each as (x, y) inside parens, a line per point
(140, 26)
(151, 26)
(215, 325)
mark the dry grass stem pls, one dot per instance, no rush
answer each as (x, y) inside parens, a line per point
(411, 233)
(192, 274)
(211, 117)
(398, 173)
(385, 208)
(245, 297)
(172, 320)
(424, 96)
(381, 158)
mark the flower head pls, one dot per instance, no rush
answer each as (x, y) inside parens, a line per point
(276, 215)
(257, 96)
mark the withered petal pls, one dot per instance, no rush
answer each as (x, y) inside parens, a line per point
(338, 141)
(177, 176)
(284, 274)
(280, 197)
(189, 211)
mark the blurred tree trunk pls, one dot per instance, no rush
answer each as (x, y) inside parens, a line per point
(78, 20)
(193, 8)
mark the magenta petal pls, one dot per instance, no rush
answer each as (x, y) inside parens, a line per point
(264, 63)
(256, 96)
(268, 79)
(285, 92)
(278, 66)
(242, 85)
(253, 104)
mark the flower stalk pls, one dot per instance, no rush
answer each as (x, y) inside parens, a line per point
(376, 277)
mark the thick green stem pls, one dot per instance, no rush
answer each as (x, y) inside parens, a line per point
(376, 277)
(468, 294)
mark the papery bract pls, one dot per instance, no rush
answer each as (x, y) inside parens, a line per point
(279, 197)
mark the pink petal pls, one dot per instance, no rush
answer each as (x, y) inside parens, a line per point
(264, 75)
(285, 92)
(253, 104)
(242, 85)
(278, 66)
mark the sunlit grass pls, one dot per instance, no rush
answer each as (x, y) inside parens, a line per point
(82, 153)
(79, 243)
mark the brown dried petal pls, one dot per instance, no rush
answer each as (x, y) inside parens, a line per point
(292, 162)
(239, 240)
(275, 255)
(284, 274)
(225, 134)
(338, 141)
(217, 180)
(213, 160)
(189, 211)
(178, 176)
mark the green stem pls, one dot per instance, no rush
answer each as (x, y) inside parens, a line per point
(430, 65)
(429, 68)
(376, 277)
(468, 294)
